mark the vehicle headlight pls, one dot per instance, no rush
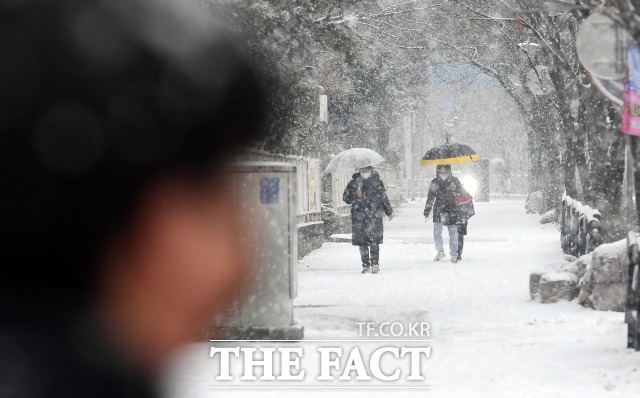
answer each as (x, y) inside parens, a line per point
(470, 184)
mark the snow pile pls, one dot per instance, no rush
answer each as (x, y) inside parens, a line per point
(555, 277)
(580, 265)
(609, 263)
(534, 284)
(598, 279)
(556, 286)
(548, 217)
(558, 281)
(604, 285)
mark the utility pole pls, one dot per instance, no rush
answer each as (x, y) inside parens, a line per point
(323, 116)
(323, 122)
(409, 127)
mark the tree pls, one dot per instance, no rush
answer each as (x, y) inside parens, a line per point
(373, 59)
(538, 44)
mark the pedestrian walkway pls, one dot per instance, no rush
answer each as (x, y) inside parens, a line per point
(488, 337)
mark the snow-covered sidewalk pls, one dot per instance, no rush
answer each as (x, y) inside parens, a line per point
(488, 338)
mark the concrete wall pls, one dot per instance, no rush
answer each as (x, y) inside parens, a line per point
(310, 237)
(337, 224)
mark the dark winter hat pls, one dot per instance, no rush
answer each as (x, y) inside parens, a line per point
(97, 98)
(443, 168)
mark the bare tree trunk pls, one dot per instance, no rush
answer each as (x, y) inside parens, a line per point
(536, 177)
(564, 96)
(608, 172)
(554, 185)
(586, 125)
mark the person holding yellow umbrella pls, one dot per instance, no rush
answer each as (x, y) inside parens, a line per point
(445, 193)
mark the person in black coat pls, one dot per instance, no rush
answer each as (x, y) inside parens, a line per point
(440, 200)
(369, 204)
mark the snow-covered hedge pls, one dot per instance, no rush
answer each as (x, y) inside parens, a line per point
(604, 285)
(597, 279)
(548, 217)
(535, 203)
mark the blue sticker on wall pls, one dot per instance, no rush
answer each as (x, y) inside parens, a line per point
(270, 191)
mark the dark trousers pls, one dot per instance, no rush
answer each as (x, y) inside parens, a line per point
(462, 231)
(370, 254)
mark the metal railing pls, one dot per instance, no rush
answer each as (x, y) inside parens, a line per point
(581, 227)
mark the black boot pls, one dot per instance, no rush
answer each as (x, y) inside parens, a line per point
(460, 245)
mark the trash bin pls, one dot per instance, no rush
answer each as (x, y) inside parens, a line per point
(267, 193)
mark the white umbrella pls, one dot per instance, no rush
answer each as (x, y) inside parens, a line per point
(354, 158)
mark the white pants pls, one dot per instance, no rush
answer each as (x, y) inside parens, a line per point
(453, 238)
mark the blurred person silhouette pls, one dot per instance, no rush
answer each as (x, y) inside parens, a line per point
(369, 204)
(120, 240)
(442, 190)
(506, 181)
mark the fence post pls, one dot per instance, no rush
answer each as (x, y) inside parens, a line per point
(580, 229)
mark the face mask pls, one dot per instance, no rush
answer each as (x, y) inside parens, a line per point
(365, 175)
(444, 176)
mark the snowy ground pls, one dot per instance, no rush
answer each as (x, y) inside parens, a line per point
(488, 338)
